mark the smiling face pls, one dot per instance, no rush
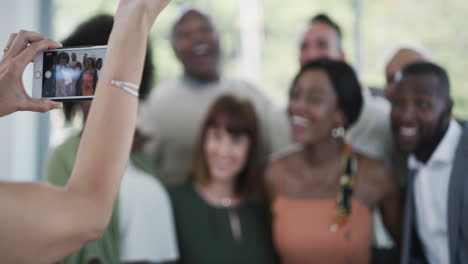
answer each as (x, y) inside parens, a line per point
(89, 63)
(63, 62)
(196, 45)
(313, 108)
(420, 114)
(320, 41)
(225, 154)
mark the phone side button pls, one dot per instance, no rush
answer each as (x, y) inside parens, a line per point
(37, 74)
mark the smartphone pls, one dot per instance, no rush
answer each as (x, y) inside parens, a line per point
(68, 73)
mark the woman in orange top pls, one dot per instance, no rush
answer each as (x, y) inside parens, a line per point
(322, 192)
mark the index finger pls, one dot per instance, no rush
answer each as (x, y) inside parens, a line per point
(8, 45)
(21, 41)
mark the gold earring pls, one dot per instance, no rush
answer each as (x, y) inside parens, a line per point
(338, 132)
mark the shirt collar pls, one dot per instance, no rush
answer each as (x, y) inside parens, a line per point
(445, 150)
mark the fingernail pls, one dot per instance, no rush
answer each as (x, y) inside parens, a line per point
(58, 105)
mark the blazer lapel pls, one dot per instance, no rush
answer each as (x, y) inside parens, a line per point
(455, 197)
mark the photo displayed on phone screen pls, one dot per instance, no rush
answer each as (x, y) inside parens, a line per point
(71, 72)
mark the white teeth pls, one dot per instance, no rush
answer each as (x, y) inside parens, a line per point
(408, 131)
(201, 49)
(299, 120)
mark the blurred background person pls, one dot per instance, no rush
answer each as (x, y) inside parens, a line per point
(399, 59)
(322, 38)
(142, 227)
(78, 66)
(77, 72)
(436, 211)
(371, 133)
(64, 76)
(221, 216)
(85, 58)
(323, 193)
(86, 83)
(89, 64)
(98, 66)
(73, 61)
(174, 111)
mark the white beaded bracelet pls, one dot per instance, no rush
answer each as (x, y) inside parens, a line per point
(127, 87)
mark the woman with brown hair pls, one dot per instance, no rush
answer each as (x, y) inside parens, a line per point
(220, 216)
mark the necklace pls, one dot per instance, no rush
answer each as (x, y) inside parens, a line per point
(347, 181)
(225, 202)
(234, 219)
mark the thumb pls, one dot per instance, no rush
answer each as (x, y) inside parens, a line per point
(40, 105)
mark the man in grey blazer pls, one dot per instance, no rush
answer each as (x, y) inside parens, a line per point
(435, 227)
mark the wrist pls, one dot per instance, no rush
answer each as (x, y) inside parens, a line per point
(8, 107)
(140, 13)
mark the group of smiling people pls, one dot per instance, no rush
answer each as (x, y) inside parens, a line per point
(246, 182)
(218, 174)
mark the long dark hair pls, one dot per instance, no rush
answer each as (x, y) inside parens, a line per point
(79, 82)
(238, 117)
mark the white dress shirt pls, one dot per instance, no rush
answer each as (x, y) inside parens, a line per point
(147, 231)
(431, 186)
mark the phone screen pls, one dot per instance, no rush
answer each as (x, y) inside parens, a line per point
(71, 72)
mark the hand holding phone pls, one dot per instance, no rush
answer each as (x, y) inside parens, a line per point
(68, 73)
(18, 53)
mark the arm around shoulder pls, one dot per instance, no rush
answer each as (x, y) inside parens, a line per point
(391, 205)
(273, 173)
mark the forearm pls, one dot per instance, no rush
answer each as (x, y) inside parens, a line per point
(41, 224)
(103, 155)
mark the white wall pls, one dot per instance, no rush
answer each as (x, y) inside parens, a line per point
(18, 132)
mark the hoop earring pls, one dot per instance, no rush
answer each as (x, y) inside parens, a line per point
(338, 133)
